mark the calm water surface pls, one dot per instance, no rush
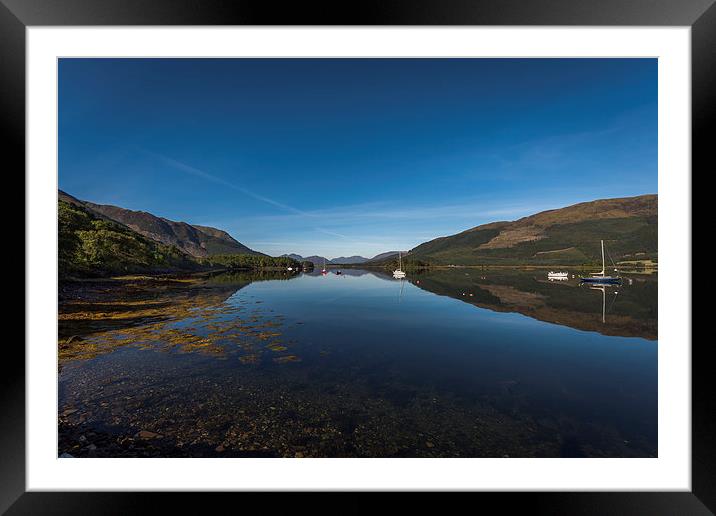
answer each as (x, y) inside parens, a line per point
(457, 362)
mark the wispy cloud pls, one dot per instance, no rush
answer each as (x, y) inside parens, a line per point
(331, 233)
(562, 151)
(218, 180)
(349, 214)
(369, 228)
(292, 214)
(383, 213)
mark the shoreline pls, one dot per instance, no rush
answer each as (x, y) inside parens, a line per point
(164, 275)
(485, 267)
(187, 275)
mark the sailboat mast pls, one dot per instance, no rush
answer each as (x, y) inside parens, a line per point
(398, 273)
(604, 304)
(602, 257)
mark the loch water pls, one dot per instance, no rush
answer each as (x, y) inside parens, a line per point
(457, 362)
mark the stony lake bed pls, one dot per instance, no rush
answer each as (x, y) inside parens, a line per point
(448, 363)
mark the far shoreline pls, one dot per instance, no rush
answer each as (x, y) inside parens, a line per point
(483, 267)
(178, 275)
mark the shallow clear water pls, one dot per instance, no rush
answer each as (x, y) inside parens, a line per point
(446, 363)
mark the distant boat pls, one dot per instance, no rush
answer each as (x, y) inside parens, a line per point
(558, 275)
(398, 273)
(324, 270)
(601, 277)
(290, 268)
(338, 272)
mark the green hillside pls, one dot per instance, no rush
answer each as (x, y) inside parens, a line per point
(249, 261)
(90, 246)
(195, 240)
(567, 236)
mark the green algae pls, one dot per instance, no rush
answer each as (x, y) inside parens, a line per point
(189, 316)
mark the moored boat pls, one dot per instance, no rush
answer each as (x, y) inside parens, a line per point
(601, 277)
(558, 275)
(398, 273)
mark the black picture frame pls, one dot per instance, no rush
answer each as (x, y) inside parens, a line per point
(700, 15)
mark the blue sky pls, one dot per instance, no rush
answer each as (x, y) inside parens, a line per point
(354, 156)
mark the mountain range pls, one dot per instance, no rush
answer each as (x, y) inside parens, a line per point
(315, 260)
(97, 238)
(341, 260)
(197, 241)
(350, 260)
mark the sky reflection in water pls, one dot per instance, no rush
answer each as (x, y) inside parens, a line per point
(450, 363)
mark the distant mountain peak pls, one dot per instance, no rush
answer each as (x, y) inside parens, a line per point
(343, 260)
(293, 256)
(314, 259)
(349, 260)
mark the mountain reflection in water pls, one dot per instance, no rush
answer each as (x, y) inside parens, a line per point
(631, 311)
(358, 365)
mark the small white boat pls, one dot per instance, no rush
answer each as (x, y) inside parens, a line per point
(324, 270)
(398, 273)
(557, 275)
(290, 268)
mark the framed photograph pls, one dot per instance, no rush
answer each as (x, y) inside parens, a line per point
(421, 247)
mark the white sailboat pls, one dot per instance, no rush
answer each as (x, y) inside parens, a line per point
(398, 273)
(324, 270)
(601, 277)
